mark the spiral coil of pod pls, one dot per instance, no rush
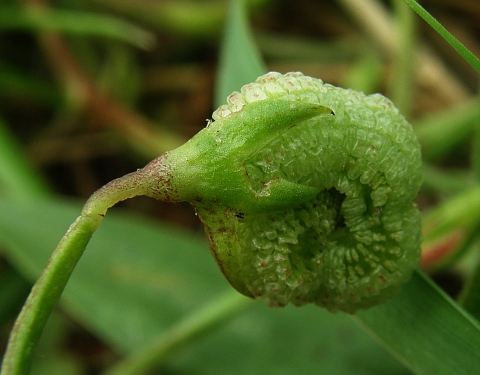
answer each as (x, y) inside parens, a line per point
(358, 239)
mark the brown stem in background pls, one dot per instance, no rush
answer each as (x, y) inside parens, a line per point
(83, 92)
(431, 72)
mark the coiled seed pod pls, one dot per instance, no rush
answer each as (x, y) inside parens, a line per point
(306, 192)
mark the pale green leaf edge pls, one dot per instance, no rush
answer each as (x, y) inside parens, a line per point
(426, 330)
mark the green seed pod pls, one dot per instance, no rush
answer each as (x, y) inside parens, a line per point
(306, 192)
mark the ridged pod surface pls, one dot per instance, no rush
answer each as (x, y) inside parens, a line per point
(352, 236)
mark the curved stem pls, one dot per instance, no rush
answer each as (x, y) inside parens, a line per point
(45, 294)
(48, 288)
(202, 320)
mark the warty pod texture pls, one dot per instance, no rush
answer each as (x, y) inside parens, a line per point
(351, 235)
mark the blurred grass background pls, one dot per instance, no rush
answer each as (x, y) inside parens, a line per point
(91, 90)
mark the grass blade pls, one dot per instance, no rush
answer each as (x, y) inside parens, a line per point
(240, 61)
(426, 330)
(438, 27)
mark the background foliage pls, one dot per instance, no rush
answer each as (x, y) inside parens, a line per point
(91, 90)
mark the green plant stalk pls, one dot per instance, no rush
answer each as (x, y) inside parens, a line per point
(47, 290)
(439, 28)
(45, 294)
(214, 313)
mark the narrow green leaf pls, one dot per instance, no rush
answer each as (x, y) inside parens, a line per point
(240, 61)
(426, 330)
(438, 27)
(74, 22)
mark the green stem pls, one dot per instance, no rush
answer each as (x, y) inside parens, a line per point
(212, 315)
(48, 288)
(45, 294)
(454, 42)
